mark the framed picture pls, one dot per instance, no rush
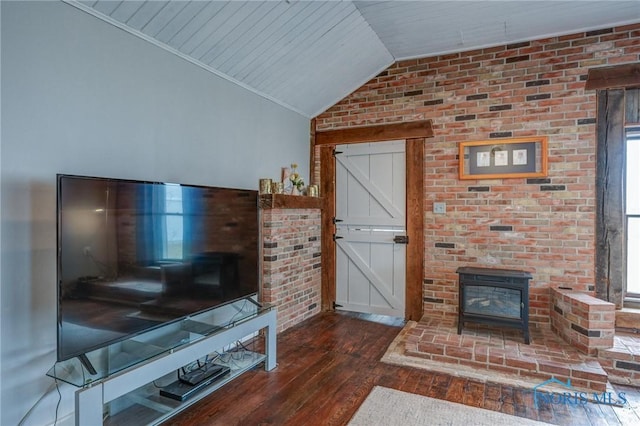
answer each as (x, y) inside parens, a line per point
(504, 158)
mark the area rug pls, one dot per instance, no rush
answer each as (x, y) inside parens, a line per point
(391, 407)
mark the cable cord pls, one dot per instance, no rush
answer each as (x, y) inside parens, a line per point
(46, 392)
(239, 312)
(55, 420)
(238, 342)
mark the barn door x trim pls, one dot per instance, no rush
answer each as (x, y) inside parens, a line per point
(415, 134)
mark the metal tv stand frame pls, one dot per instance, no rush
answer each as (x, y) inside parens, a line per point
(159, 354)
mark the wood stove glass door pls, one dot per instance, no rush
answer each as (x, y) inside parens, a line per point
(492, 301)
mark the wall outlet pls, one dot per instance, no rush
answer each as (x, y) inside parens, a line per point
(439, 208)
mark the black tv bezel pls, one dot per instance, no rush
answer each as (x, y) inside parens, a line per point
(81, 355)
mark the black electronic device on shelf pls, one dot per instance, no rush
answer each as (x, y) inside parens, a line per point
(200, 374)
(180, 390)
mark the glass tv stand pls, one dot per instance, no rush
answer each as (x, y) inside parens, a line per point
(132, 372)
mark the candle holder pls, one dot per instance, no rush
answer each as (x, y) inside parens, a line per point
(277, 188)
(265, 186)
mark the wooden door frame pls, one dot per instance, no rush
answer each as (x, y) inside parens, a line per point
(414, 133)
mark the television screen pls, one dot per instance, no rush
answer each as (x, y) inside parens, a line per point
(135, 255)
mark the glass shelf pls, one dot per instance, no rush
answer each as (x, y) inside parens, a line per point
(152, 408)
(165, 339)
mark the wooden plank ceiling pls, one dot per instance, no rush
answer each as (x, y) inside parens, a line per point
(307, 55)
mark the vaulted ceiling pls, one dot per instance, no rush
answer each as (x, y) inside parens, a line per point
(307, 55)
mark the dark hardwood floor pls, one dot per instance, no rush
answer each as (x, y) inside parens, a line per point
(328, 365)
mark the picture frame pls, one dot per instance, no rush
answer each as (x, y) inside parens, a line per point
(504, 158)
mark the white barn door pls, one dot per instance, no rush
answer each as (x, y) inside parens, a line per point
(371, 228)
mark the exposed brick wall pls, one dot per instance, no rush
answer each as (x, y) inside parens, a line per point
(524, 89)
(291, 263)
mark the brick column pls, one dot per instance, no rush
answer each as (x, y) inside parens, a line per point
(291, 263)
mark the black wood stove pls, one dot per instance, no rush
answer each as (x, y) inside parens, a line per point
(494, 296)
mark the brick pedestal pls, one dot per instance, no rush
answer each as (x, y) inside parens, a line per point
(587, 323)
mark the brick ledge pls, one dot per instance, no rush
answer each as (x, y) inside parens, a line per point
(283, 201)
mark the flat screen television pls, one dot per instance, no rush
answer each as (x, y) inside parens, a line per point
(135, 255)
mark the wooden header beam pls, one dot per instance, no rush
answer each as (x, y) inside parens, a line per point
(382, 132)
(619, 76)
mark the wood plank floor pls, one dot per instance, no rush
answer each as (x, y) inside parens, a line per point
(328, 365)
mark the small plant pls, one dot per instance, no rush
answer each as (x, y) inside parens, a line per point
(295, 177)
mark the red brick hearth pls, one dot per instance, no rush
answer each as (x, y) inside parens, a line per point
(622, 361)
(502, 350)
(500, 353)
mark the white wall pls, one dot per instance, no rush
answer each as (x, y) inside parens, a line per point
(82, 97)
